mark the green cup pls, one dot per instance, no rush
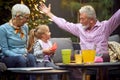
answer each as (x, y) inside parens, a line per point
(66, 55)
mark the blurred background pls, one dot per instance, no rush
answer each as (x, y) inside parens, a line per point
(67, 9)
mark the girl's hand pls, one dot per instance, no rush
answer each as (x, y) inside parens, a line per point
(47, 51)
(54, 47)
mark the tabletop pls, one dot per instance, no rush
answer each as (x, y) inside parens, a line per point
(29, 68)
(104, 64)
(40, 72)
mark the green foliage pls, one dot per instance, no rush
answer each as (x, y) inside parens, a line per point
(102, 7)
(5, 9)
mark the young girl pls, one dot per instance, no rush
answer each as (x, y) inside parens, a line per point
(40, 45)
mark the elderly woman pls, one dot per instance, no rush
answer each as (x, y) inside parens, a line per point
(13, 38)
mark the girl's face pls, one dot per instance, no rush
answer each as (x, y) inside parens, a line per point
(47, 34)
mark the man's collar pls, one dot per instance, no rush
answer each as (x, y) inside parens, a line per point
(97, 24)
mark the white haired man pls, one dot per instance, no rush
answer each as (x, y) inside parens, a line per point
(90, 31)
(13, 38)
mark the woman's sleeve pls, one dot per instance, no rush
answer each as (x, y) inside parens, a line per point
(4, 43)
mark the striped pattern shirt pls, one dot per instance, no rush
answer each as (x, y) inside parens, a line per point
(38, 50)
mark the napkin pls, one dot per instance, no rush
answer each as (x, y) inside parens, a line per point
(98, 59)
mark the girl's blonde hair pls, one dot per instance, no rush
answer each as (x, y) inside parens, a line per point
(36, 34)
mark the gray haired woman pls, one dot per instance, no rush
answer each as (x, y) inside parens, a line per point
(13, 38)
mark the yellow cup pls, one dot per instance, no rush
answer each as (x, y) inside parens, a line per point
(66, 55)
(88, 55)
(78, 58)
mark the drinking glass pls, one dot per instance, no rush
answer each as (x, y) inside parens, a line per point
(66, 55)
(78, 56)
(88, 54)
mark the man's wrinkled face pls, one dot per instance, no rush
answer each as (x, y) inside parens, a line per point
(84, 20)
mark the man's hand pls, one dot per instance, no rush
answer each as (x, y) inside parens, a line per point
(45, 9)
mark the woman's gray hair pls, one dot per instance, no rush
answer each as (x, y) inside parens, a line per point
(89, 10)
(19, 9)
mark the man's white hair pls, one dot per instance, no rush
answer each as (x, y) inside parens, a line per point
(89, 10)
(19, 9)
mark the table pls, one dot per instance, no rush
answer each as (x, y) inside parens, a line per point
(100, 66)
(38, 73)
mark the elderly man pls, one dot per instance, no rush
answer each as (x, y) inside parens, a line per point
(89, 30)
(13, 38)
